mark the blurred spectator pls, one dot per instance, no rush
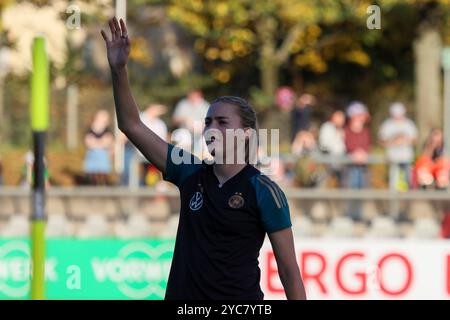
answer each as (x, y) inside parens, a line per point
(190, 114)
(1, 172)
(190, 109)
(445, 226)
(301, 115)
(99, 142)
(357, 143)
(128, 153)
(398, 134)
(271, 165)
(431, 168)
(331, 141)
(304, 142)
(285, 98)
(27, 170)
(182, 138)
(151, 118)
(27, 177)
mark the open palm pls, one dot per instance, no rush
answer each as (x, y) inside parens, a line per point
(118, 48)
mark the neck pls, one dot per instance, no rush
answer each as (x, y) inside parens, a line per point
(97, 126)
(224, 172)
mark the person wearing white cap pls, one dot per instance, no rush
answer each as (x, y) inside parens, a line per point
(398, 135)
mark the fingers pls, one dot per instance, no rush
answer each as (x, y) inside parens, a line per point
(117, 28)
(105, 37)
(117, 31)
(113, 30)
(124, 29)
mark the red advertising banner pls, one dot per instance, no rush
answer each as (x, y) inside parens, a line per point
(365, 269)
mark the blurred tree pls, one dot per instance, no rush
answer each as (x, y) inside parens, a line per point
(432, 17)
(3, 5)
(20, 21)
(280, 29)
(312, 36)
(273, 31)
(425, 26)
(245, 46)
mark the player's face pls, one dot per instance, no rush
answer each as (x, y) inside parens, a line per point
(220, 119)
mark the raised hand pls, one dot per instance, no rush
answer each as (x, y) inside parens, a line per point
(118, 48)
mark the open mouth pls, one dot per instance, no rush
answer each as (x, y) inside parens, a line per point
(211, 140)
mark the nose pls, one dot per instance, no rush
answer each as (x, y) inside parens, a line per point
(214, 125)
(211, 132)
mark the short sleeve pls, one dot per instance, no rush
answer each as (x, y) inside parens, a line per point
(272, 204)
(180, 164)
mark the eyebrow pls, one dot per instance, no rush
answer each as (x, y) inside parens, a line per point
(217, 118)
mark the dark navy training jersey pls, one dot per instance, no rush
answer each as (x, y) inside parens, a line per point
(221, 229)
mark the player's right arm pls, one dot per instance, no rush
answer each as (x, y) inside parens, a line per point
(127, 112)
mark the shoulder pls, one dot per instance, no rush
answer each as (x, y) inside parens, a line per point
(267, 190)
(271, 203)
(326, 126)
(183, 103)
(180, 164)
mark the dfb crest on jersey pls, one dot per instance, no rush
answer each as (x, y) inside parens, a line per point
(236, 201)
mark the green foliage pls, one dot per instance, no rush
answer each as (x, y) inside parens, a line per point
(321, 46)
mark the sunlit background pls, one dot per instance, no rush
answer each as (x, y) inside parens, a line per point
(360, 93)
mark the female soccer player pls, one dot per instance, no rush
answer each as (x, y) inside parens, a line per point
(226, 208)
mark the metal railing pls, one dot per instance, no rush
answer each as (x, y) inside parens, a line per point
(294, 193)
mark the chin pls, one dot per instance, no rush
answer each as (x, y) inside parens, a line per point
(213, 150)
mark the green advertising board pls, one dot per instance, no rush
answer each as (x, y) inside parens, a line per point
(89, 269)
